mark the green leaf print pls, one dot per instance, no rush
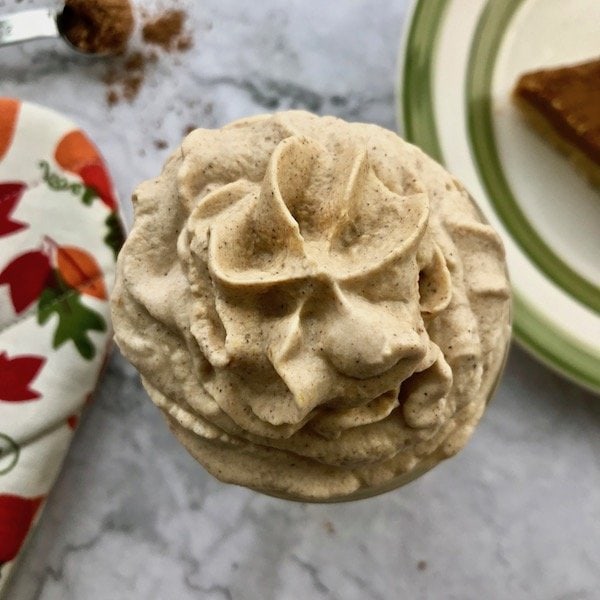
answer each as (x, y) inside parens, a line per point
(115, 236)
(75, 320)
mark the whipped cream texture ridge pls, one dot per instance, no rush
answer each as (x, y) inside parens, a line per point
(316, 305)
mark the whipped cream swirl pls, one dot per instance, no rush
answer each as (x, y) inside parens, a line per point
(316, 305)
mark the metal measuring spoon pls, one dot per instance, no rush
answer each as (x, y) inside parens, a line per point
(36, 24)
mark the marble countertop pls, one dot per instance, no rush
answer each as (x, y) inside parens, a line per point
(515, 515)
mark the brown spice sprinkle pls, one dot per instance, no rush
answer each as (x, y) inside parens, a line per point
(166, 31)
(329, 527)
(131, 87)
(112, 97)
(100, 26)
(160, 144)
(135, 62)
(125, 76)
(185, 43)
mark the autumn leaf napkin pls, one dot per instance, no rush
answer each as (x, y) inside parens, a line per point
(59, 236)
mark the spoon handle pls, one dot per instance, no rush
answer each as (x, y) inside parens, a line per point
(28, 25)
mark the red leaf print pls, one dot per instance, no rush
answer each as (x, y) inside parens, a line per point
(16, 375)
(16, 516)
(95, 176)
(10, 194)
(27, 275)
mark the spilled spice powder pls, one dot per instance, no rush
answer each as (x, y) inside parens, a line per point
(160, 144)
(112, 97)
(125, 77)
(135, 62)
(131, 87)
(101, 26)
(166, 31)
(185, 43)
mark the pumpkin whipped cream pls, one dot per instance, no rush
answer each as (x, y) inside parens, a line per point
(316, 306)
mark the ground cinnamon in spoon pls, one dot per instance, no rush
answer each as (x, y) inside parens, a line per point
(97, 26)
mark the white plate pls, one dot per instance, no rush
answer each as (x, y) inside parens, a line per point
(460, 61)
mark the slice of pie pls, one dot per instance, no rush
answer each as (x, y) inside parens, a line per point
(563, 104)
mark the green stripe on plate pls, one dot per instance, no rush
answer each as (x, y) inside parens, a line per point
(419, 120)
(482, 61)
(543, 338)
(556, 347)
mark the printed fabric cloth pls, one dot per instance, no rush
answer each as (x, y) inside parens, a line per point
(59, 235)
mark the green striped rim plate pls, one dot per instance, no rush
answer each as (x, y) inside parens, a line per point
(458, 65)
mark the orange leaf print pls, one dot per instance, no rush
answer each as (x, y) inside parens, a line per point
(9, 110)
(80, 270)
(75, 151)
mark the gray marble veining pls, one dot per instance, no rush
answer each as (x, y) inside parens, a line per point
(515, 515)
